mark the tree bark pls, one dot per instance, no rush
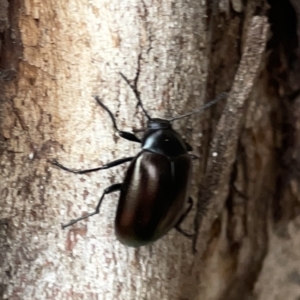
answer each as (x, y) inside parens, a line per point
(54, 56)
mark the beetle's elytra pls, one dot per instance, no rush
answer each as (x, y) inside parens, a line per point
(154, 196)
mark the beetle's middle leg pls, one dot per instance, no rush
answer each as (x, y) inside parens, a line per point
(177, 226)
(124, 134)
(106, 166)
(111, 189)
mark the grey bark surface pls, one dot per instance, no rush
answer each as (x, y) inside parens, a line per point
(54, 55)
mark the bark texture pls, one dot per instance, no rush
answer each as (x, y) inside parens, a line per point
(54, 55)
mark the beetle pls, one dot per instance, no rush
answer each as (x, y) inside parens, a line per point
(154, 196)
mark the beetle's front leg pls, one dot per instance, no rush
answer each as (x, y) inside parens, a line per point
(111, 189)
(134, 86)
(124, 134)
(106, 166)
(177, 226)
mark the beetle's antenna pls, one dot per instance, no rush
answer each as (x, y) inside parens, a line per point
(134, 86)
(203, 107)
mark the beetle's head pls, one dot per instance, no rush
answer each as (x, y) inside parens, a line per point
(157, 123)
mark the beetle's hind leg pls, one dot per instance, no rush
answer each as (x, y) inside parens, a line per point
(177, 226)
(106, 166)
(189, 148)
(124, 134)
(111, 189)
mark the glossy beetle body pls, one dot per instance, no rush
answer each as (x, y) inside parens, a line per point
(154, 196)
(155, 190)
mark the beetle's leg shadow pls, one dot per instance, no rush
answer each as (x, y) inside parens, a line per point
(106, 166)
(111, 189)
(124, 134)
(177, 226)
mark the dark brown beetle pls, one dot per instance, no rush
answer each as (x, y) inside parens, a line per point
(154, 196)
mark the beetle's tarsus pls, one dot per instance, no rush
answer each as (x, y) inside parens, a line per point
(53, 162)
(112, 117)
(72, 222)
(194, 249)
(183, 232)
(110, 189)
(193, 156)
(124, 134)
(241, 194)
(56, 163)
(177, 226)
(189, 148)
(134, 86)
